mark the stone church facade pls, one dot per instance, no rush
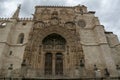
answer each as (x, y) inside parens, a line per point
(58, 42)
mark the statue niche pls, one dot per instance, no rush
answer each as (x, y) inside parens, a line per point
(54, 42)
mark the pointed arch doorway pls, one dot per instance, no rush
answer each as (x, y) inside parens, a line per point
(55, 45)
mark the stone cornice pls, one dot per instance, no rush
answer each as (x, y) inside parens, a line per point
(25, 19)
(115, 45)
(19, 19)
(42, 6)
(14, 45)
(96, 44)
(5, 19)
(97, 25)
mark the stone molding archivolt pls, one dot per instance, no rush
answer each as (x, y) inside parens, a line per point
(64, 32)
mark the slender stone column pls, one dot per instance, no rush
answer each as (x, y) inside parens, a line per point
(65, 64)
(42, 63)
(53, 63)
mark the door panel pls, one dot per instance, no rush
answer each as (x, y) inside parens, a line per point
(48, 64)
(59, 64)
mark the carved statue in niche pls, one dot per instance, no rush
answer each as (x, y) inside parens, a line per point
(27, 56)
(79, 56)
(54, 14)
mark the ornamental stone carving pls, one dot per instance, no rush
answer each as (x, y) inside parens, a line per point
(53, 33)
(78, 9)
(54, 14)
(63, 12)
(39, 24)
(45, 11)
(45, 14)
(81, 23)
(54, 21)
(70, 25)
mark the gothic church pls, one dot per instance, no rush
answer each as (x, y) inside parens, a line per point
(58, 42)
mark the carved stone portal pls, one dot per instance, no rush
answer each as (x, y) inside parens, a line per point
(53, 50)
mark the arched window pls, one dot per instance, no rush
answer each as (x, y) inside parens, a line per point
(54, 42)
(20, 38)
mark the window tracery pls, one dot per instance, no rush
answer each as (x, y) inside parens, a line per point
(54, 42)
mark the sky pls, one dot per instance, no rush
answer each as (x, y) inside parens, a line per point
(108, 11)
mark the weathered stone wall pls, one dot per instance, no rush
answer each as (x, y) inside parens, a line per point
(115, 46)
(11, 52)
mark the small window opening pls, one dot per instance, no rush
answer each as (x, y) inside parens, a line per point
(10, 53)
(20, 38)
(24, 23)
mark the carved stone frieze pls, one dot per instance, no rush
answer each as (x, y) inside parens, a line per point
(39, 24)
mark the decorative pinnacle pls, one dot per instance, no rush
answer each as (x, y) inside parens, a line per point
(16, 14)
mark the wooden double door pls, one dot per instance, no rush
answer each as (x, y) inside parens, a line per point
(53, 64)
